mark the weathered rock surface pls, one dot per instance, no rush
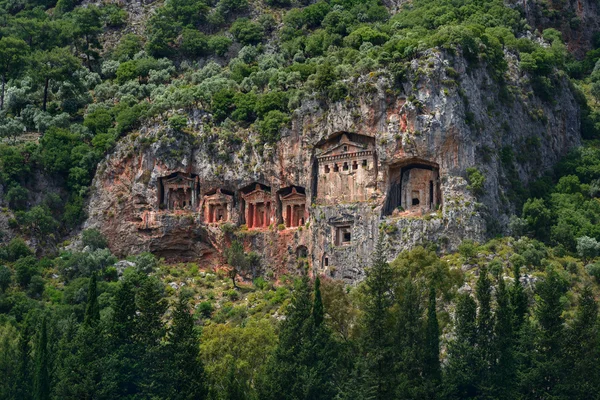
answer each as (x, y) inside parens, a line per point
(446, 114)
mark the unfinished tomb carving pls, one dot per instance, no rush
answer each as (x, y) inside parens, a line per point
(414, 185)
(346, 168)
(293, 206)
(258, 211)
(218, 206)
(178, 191)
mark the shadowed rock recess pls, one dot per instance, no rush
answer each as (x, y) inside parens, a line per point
(390, 159)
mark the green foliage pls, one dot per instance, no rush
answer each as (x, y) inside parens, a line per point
(476, 181)
(93, 239)
(270, 126)
(247, 32)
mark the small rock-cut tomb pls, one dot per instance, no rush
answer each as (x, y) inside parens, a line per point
(293, 206)
(218, 206)
(414, 185)
(178, 191)
(346, 168)
(258, 211)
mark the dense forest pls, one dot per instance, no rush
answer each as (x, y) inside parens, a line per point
(514, 317)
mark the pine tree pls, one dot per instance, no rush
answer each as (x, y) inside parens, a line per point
(432, 371)
(376, 343)
(41, 387)
(92, 310)
(186, 372)
(462, 379)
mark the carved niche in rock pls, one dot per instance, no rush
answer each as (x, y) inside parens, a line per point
(346, 169)
(257, 204)
(342, 229)
(178, 191)
(293, 206)
(414, 184)
(218, 206)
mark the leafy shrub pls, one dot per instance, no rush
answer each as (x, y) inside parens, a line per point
(35, 288)
(270, 126)
(5, 278)
(98, 121)
(219, 45)
(594, 270)
(365, 34)
(94, 239)
(178, 122)
(476, 181)
(587, 248)
(16, 249)
(25, 269)
(247, 32)
(17, 197)
(205, 309)
(146, 262)
(194, 43)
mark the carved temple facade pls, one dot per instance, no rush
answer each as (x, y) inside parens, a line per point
(178, 191)
(218, 206)
(258, 209)
(293, 207)
(347, 169)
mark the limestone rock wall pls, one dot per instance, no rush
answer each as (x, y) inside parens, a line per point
(447, 115)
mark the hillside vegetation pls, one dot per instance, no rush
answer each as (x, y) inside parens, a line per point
(515, 317)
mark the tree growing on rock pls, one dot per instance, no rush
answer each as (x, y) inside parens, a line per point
(239, 262)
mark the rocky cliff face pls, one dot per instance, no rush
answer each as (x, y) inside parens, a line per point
(576, 19)
(444, 118)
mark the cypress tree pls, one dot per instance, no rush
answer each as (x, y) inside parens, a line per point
(503, 369)
(92, 310)
(543, 378)
(432, 371)
(41, 383)
(23, 389)
(518, 300)
(317, 311)
(485, 322)
(462, 379)
(187, 379)
(583, 358)
(285, 371)
(123, 370)
(150, 331)
(376, 342)
(408, 349)
(321, 353)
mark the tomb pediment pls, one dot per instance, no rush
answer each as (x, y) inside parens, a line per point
(344, 219)
(293, 196)
(218, 197)
(179, 179)
(347, 148)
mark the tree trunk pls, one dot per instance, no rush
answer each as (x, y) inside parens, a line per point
(2, 95)
(45, 94)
